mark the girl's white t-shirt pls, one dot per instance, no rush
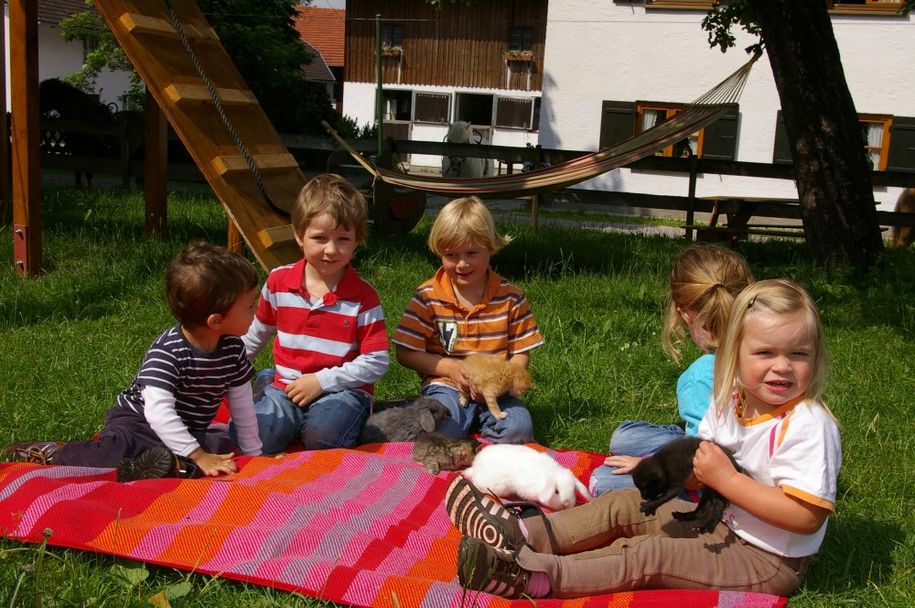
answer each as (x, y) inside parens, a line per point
(796, 448)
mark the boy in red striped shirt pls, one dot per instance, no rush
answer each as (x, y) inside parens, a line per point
(467, 308)
(330, 343)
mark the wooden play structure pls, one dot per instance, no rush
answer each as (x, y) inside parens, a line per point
(193, 80)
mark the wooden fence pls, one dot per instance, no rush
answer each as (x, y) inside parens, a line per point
(128, 132)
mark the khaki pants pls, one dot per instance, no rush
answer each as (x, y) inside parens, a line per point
(608, 545)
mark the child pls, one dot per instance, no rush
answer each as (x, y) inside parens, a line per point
(158, 426)
(330, 343)
(769, 378)
(703, 284)
(467, 308)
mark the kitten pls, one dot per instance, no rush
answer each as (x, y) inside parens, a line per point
(664, 475)
(436, 452)
(494, 376)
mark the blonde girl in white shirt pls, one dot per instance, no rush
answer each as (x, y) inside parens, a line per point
(769, 377)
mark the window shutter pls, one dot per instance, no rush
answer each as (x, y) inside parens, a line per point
(781, 154)
(720, 138)
(617, 122)
(901, 156)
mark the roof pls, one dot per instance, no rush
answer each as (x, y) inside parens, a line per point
(322, 28)
(317, 70)
(55, 11)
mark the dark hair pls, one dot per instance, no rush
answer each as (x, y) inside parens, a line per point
(329, 193)
(206, 279)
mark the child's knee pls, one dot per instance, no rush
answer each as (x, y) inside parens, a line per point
(334, 421)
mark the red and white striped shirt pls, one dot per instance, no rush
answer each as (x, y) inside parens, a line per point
(341, 338)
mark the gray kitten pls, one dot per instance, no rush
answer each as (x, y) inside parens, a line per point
(436, 452)
(404, 423)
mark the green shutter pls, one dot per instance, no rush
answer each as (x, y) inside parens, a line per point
(720, 138)
(781, 153)
(901, 156)
(617, 122)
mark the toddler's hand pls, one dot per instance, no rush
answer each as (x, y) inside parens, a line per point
(711, 466)
(623, 464)
(304, 390)
(214, 464)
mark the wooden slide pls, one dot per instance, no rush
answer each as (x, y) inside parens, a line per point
(177, 78)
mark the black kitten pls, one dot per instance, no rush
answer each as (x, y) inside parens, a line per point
(663, 476)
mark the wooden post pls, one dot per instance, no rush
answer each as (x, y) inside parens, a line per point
(234, 241)
(155, 173)
(23, 18)
(535, 198)
(5, 207)
(691, 196)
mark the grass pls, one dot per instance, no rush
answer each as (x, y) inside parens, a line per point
(75, 335)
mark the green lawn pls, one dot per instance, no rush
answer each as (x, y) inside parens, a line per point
(74, 336)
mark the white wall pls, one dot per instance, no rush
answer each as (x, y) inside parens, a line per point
(620, 51)
(57, 58)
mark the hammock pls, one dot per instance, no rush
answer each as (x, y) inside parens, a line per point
(694, 116)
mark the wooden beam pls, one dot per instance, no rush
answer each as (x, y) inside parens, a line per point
(155, 173)
(5, 207)
(23, 18)
(195, 94)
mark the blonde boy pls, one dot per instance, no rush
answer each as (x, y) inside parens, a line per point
(467, 308)
(330, 343)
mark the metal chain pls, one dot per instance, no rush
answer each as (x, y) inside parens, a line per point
(214, 95)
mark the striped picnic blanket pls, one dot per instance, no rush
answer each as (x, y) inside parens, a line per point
(364, 527)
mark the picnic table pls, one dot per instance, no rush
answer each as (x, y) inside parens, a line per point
(738, 211)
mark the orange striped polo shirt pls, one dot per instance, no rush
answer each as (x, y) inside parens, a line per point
(501, 324)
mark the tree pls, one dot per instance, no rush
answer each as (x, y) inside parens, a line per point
(258, 35)
(827, 145)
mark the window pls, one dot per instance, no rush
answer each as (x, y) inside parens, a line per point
(876, 132)
(694, 4)
(397, 105)
(474, 108)
(865, 6)
(650, 114)
(391, 35)
(432, 107)
(888, 140)
(620, 120)
(515, 113)
(520, 38)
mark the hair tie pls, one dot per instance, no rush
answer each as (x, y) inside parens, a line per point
(717, 285)
(751, 302)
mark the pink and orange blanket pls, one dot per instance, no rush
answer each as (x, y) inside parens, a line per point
(364, 527)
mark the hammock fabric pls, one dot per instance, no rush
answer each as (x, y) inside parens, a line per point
(699, 114)
(363, 527)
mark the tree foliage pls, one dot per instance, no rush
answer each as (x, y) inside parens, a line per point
(103, 53)
(258, 35)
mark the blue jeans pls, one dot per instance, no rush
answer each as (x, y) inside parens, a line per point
(631, 438)
(333, 420)
(516, 427)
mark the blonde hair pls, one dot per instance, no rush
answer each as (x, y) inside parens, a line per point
(705, 280)
(769, 297)
(462, 221)
(329, 193)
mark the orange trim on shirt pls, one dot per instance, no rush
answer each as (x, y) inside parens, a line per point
(809, 498)
(783, 409)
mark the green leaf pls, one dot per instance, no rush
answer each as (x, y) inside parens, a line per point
(130, 574)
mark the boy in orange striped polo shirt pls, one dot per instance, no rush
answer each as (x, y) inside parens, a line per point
(467, 308)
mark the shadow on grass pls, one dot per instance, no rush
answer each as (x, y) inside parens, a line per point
(857, 554)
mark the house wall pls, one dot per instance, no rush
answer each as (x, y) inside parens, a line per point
(620, 50)
(57, 58)
(438, 57)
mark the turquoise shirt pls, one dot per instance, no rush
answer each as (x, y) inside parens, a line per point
(694, 391)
